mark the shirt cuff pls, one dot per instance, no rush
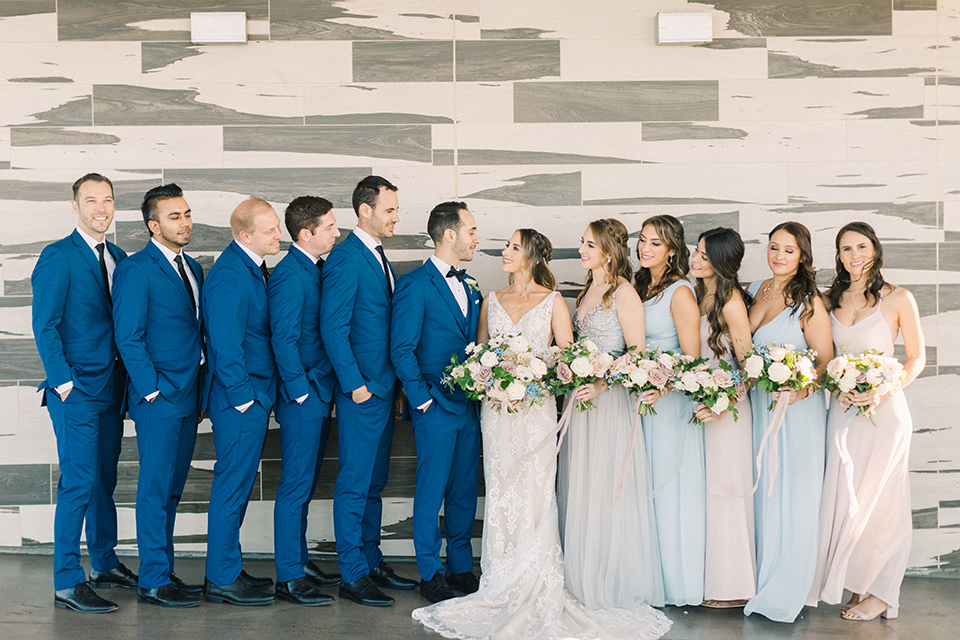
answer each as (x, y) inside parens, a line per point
(301, 399)
(425, 405)
(66, 386)
(243, 407)
(150, 397)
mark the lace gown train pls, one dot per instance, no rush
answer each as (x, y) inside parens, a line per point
(522, 593)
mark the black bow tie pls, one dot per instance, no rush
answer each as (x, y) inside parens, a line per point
(459, 274)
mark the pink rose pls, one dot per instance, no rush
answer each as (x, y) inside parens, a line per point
(667, 371)
(484, 375)
(723, 378)
(599, 368)
(658, 377)
(861, 377)
(564, 373)
(508, 366)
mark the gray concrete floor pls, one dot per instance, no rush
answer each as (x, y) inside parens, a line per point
(930, 610)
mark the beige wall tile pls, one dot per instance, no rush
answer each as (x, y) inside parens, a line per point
(10, 527)
(49, 104)
(4, 147)
(82, 62)
(484, 102)
(863, 181)
(379, 103)
(821, 99)
(644, 59)
(914, 23)
(128, 147)
(941, 100)
(881, 56)
(35, 27)
(902, 140)
(568, 18)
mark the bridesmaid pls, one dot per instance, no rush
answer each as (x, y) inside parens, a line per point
(730, 571)
(674, 447)
(788, 310)
(865, 537)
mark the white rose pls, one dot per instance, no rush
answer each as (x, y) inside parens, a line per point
(667, 360)
(892, 369)
(470, 348)
(874, 377)
(538, 367)
(591, 346)
(489, 359)
(518, 344)
(846, 383)
(753, 366)
(777, 353)
(473, 366)
(582, 367)
(836, 366)
(639, 377)
(516, 390)
(778, 372)
(806, 368)
(524, 374)
(688, 382)
(606, 360)
(721, 405)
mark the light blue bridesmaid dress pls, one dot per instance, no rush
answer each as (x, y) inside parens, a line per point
(675, 451)
(787, 520)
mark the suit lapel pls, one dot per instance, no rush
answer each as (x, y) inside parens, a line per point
(91, 261)
(167, 269)
(440, 283)
(305, 262)
(374, 263)
(247, 261)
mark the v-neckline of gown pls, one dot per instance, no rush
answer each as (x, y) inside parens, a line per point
(524, 314)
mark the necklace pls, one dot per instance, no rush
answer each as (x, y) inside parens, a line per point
(768, 296)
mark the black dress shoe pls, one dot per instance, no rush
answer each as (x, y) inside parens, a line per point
(117, 577)
(319, 577)
(302, 591)
(436, 589)
(83, 599)
(189, 589)
(238, 593)
(255, 583)
(384, 576)
(466, 582)
(168, 596)
(363, 591)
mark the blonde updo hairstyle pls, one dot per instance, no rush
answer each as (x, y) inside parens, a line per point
(613, 240)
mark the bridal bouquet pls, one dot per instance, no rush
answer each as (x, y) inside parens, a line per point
(771, 367)
(580, 363)
(503, 370)
(868, 370)
(641, 371)
(719, 389)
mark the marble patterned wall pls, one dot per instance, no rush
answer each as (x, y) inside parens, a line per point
(542, 113)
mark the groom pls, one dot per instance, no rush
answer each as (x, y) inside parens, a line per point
(435, 312)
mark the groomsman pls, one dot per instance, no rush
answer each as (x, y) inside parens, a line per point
(306, 393)
(156, 313)
(243, 385)
(73, 328)
(358, 284)
(435, 314)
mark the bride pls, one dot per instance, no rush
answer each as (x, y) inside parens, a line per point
(522, 592)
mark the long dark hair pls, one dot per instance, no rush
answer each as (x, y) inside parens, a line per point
(678, 266)
(612, 239)
(537, 251)
(875, 281)
(801, 291)
(724, 252)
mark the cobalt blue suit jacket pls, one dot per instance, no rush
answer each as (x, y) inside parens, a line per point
(355, 319)
(157, 332)
(237, 326)
(294, 299)
(72, 322)
(427, 329)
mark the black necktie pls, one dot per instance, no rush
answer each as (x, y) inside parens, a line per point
(386, 268)
(459, 274)
(103, 271)
(263, 270)
(186, 281)
(320, 265)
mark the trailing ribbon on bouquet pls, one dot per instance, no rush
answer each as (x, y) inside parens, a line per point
(771, 432)
(625, 465)
(556, 436)
(846, 461)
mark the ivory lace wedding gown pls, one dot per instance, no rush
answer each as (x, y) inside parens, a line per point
(522, 592)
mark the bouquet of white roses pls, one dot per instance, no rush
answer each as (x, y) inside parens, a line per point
(503, 370)
(868, 370)
(771, 367)
(580, 363)
(641, 371)
(719, 389)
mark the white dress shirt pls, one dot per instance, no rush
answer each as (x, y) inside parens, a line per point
(456, 287)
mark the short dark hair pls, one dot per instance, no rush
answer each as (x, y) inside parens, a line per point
(90, 177)
(304, 212)
(445, 215)
(150, 199)
(368, 190)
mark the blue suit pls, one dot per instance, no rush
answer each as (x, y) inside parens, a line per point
(73, 328)
(355, 326)
(160, 340)
(428, 327)
(294, 300)
(241, 368)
